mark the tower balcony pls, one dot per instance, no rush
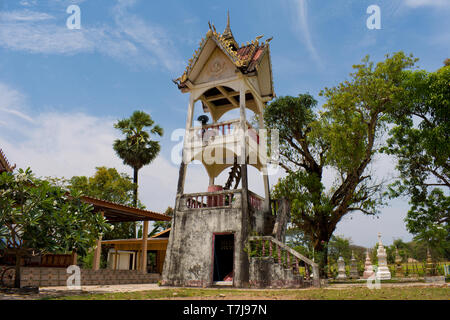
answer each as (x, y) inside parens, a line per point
(224, 199)
(217, 145)
(217, 133)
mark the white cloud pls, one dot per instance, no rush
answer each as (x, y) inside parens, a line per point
(131, 40)
(427, 3)
(24, 15)
(301, 22)
(68, 144)
(11, 103)
(151, 37)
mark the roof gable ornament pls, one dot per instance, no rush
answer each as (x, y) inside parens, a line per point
(245, 57)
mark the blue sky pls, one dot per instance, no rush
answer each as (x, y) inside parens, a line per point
(61, 90)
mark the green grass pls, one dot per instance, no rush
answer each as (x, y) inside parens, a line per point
(405, 293)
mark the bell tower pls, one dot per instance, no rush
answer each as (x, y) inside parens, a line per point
(210, 229)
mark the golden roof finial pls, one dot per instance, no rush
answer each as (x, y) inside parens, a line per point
(228, 21)
(227, 34)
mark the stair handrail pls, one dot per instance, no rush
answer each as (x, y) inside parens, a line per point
(295, 253)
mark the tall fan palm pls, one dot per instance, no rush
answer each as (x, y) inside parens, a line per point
(137, 149)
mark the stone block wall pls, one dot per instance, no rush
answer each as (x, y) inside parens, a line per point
(48, 277)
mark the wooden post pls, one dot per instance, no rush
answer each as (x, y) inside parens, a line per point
(74, 258)
(115, 257)
(263, 145)
(97, 252)
(138, 259)
(144, 248)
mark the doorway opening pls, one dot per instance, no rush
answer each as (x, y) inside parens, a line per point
(223, 258)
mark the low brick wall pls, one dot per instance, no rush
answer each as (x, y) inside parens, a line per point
(48, 277)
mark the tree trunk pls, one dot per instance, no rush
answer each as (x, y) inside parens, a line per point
(135, 197)
(321, 252)
(135, 181)
(17, 276)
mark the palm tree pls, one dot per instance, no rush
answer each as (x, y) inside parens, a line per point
(137, 149)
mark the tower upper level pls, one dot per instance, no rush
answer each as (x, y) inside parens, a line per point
(220, 61)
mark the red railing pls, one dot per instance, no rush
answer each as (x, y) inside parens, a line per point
(209, 200)
(216, 129)
(223, 129)
(220, 128)
(256, 202)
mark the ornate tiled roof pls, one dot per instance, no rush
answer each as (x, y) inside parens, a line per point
(246, 57)
(4, 163)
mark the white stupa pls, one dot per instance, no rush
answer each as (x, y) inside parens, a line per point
(341, 269)
(383, 272)
(368, 269)
(354, 274)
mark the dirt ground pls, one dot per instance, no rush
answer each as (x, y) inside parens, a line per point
(144, 291)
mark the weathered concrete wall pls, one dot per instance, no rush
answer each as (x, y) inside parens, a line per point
(48, 277)
(189, 257)
(265, 273)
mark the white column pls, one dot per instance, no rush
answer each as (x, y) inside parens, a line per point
(243, 123)
(263, 145)
(183, 165)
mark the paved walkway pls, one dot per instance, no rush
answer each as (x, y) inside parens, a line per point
(49, 292)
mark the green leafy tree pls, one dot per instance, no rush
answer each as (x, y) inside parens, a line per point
(159, 226)
(420, 142)
(110, 185)
(137, 149)
(339, 246)
(341, 138)
(38, 216)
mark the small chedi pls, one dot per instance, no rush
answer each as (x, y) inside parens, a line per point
(398, 265)
(368, 269)
(353, 268)
(383, 272)
(341, 269)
